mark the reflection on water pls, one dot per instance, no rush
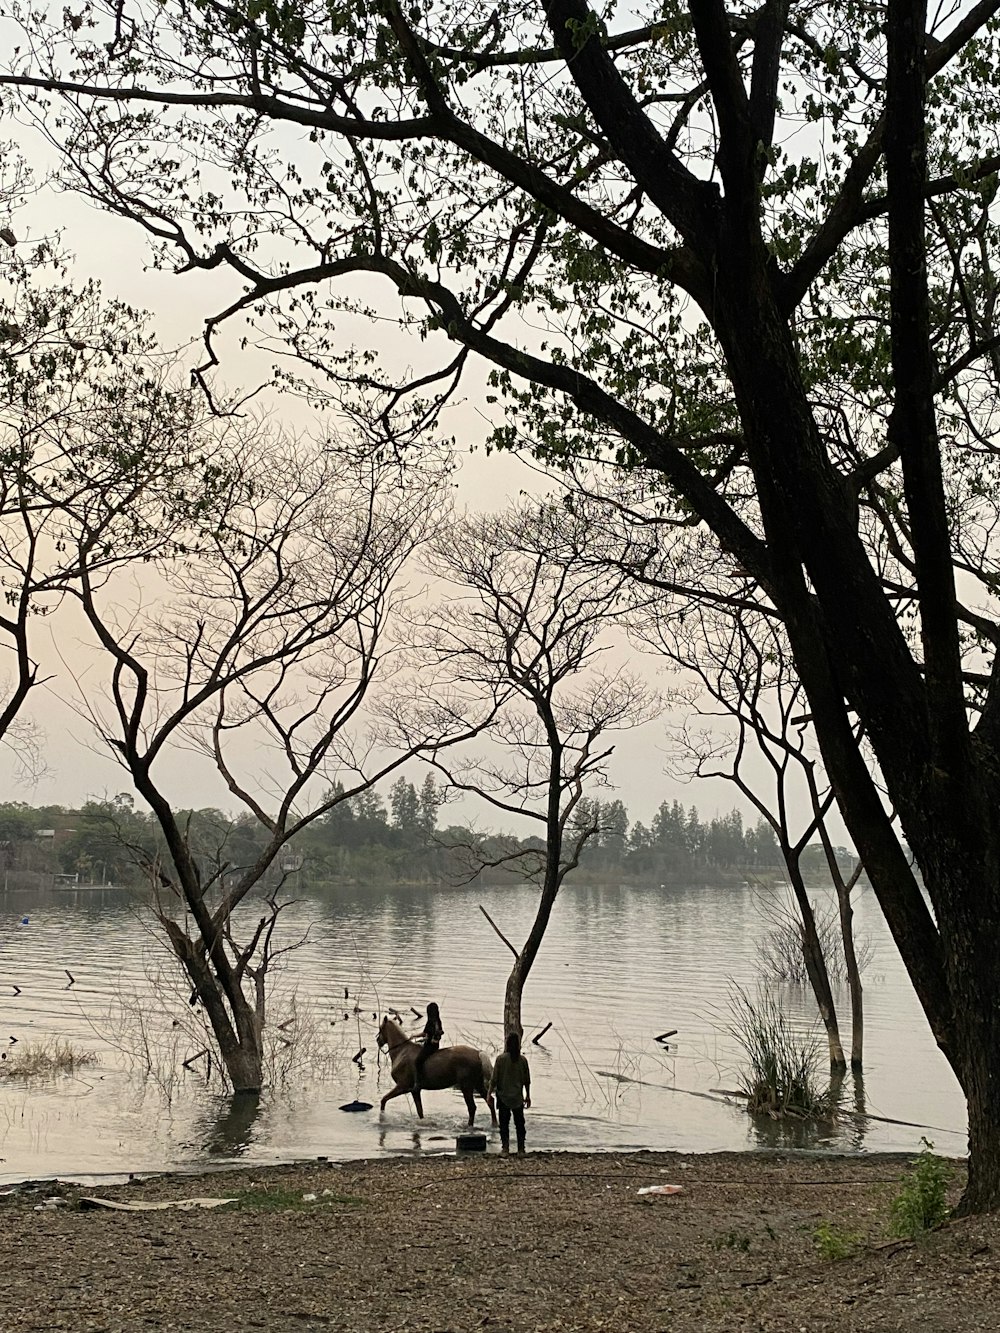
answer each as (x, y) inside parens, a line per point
(230, 1132)
(785, 1135)
(619, 967)
(855, 1117)
(416, 1140)
(846, 1131)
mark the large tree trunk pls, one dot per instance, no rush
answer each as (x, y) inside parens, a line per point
(245, 1068)
(944, 807)
(982, 1192)
(236, 1023)
(971, 931)
(512, 998)
(241, 1041)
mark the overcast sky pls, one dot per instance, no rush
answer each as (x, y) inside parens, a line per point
(115, 252)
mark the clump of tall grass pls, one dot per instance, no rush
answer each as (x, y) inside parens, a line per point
(35, 1060)
(781, 1076)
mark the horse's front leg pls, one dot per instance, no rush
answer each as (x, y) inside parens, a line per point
(397, 1091)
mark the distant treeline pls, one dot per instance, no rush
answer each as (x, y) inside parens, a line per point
(365, 841)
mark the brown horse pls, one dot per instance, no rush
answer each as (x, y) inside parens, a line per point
(451, 1067)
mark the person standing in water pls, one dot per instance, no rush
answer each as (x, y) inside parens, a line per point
(511, 1082)
(431, 1040)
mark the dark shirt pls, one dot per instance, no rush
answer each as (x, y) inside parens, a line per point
(433, 1032)
(510, 1075)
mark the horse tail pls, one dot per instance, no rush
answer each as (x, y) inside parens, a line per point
(487, 1068)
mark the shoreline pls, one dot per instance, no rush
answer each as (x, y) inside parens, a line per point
(237, 1166)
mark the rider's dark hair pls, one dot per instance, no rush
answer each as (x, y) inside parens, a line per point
(513, 1044)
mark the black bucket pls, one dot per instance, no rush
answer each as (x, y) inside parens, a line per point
(471, 1143)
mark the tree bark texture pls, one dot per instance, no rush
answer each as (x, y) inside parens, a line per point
(236, 1023)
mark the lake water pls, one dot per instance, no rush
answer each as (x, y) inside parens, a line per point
(619, 967)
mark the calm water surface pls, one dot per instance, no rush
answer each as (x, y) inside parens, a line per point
(619, 966)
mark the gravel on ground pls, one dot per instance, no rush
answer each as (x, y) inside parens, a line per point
(754, 1243)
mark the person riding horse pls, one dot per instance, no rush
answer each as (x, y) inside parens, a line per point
(431, 1041)
(461, 1067)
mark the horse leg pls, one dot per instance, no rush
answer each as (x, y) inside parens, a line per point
(491, 1103)
(417, 1102)
(470, 1102)
(397, 1091)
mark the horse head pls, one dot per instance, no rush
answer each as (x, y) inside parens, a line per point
(390, 1035)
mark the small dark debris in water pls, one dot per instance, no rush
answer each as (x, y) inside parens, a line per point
(346, 1015)
(72, 979)
(374, 1017)
(17, 989)
(347, 993)
(539, 1035)
(13, 1041)
(664, 1035)
(357, 1058)
(356, 1106)
(415, 1011)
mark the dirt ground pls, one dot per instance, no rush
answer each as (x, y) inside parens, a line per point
(544, 1242)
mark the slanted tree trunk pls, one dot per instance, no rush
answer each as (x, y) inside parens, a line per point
(845, 912)
(523, 961)
(816, 968)
(554, 874)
